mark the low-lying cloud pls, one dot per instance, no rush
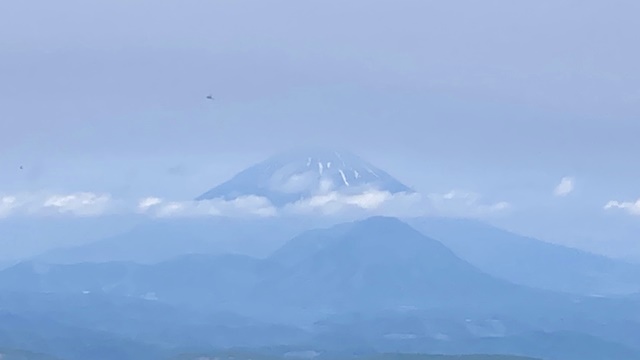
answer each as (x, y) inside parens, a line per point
(336, 203)
(631, 207)
(7, 205)
(76, 204)
(332, 203)
(374, 202)
(81, 204)
(243, 206)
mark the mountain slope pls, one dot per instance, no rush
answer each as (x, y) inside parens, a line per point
(117, 327)
(387, 356)
(378, 262)
(39, 333)
(282, 179)
(24, 237)
(295, 175)
(413, 332)
(162, 239)
(531, 262)
(194, 281)
(375, 263)
(12, 354)
(377, 268)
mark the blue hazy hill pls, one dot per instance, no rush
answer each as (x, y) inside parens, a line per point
(301, 173)
(411, 290)
(379, 262)
(532, 262)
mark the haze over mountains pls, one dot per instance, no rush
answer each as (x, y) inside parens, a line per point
(147, 214)
(525, 260)
(315, 176)
(377, 273)
(325, 284)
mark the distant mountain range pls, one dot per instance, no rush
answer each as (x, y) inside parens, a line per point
(302, 173)
(512, 257)
(379, 262)
(535, 263)
(317, 285)
(301, 355)
(155, 240)
(375, 274)
(12, 354)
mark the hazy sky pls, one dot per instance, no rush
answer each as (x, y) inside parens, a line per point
(501, 98)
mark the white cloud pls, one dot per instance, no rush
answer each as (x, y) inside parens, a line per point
(94, 204)
(147, 203)
(243, 206)
(335, 203)
(631, 207)
(7, 205)
(360, 202)
(80, 204)
(77, 204)
(565, 187)
(375, 202)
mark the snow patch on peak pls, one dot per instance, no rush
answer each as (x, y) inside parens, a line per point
(371, 172)
(344, 178)
(291, 177)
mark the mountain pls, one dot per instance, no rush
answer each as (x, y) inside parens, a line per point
(37, 333)
(382, 264)
(561, 345)
(156, 240)
(13, 354)
(413, 333)
(291, 176)
(373, 264)
(531, 262)
(209, 282)
(25, 237)
(102, 326)
(388, 356)
(283, 178)
(379, 262)
(353, 286)
(6, 264)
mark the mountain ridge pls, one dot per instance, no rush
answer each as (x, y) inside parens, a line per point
(518, 258)
(379, 279)
(375, 255)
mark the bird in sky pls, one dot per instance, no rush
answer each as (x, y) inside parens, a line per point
(210, 97)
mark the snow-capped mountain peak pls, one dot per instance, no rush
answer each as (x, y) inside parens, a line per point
(300, 174)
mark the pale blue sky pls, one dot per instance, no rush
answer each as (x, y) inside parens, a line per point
(502, 98)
